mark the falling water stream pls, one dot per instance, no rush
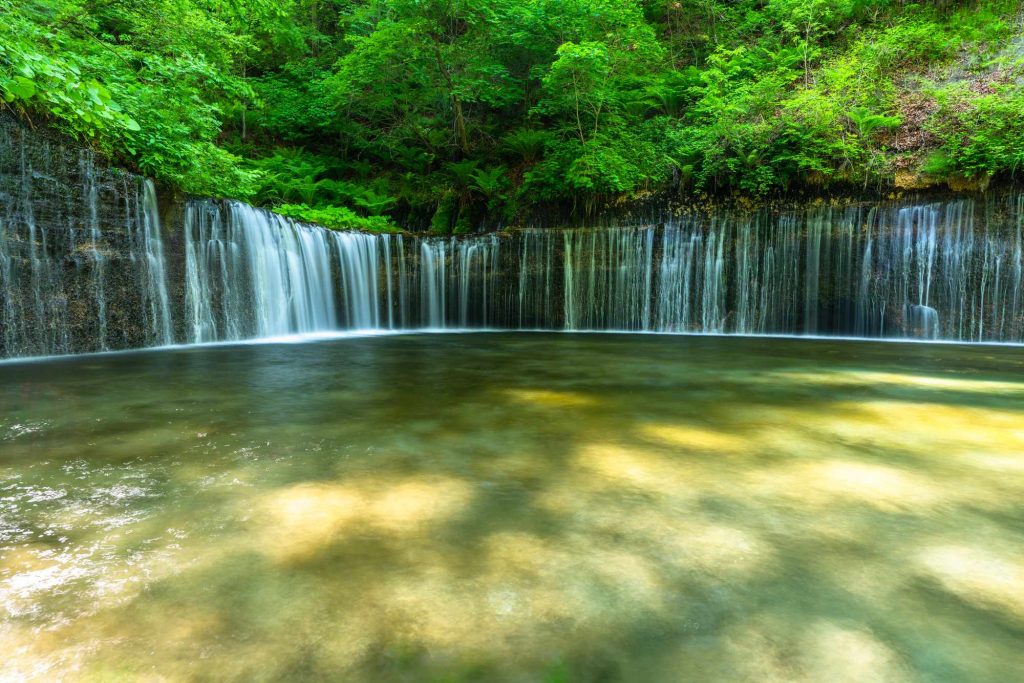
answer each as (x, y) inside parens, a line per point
(82, 260)
(940, 271)
(908, 271)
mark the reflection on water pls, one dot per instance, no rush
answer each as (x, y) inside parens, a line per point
(515, 508)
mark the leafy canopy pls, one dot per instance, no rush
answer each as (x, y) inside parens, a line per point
(455, 114)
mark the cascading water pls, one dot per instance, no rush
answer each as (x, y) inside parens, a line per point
(85, 265)
(82, 263)
(252, 273)
(455, 279)
(153, 270)
(433, 283)
(923, 271)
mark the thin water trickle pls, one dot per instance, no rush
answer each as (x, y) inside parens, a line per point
(82, 259)
(156, 302)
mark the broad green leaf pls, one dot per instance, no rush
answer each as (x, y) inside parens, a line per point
(22, 88)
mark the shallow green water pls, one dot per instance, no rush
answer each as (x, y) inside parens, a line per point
(520, 507)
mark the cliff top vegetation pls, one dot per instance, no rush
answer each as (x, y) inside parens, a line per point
(455, 113)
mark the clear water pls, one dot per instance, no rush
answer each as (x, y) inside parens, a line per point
(515, 507)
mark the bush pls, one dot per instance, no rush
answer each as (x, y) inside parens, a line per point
(336, 218)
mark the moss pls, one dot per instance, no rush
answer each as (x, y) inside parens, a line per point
(441, 223)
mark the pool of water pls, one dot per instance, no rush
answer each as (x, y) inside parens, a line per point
(515, 507)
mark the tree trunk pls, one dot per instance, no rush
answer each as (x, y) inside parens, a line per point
(460, 119)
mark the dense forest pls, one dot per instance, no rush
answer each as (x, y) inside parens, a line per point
(453, 114)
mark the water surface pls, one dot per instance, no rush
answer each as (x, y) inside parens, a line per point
(515, 507)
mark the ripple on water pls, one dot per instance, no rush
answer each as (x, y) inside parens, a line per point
(21, 429)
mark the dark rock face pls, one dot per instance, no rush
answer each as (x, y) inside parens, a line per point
(81, 253)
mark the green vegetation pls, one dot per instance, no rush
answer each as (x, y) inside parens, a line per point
(456, 113)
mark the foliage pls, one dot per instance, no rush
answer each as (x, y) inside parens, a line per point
(135, 84)
(452, 114)
(981, 134)
(336, 218)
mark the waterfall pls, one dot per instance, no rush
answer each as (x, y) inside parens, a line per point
(252, 273)
(360, 258)
(86, 265)
(152, 270)
(90, 247)
(433, 285)
(919, 271)
(82, 260)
